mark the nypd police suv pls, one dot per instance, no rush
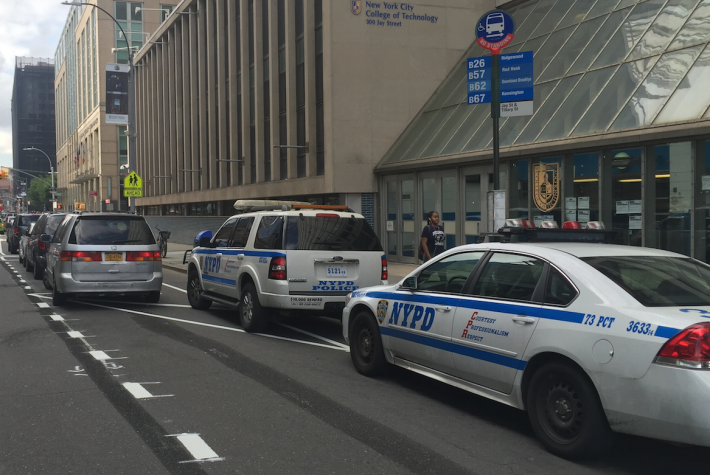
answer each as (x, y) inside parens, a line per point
(588, 338)
(285, 258)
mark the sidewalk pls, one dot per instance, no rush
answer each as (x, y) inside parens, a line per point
(176, 251)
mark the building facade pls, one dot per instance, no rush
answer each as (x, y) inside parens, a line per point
(285, 99)
(620, 132)
(91, 155)
(33, 120)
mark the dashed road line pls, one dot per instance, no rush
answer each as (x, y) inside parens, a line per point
(197, 447)
(139, 392)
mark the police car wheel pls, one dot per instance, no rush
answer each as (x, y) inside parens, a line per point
(194, 292)
(252, 315)
(566, 413)
(366, 345)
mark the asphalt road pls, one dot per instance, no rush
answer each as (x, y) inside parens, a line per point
(123, 387)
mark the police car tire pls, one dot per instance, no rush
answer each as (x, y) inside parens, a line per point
(583, 430)
(366, 345)
(194, 292)
(250, 303)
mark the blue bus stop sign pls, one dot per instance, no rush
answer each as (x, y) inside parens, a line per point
(495, 30)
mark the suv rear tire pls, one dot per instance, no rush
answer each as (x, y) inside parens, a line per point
(194, 292)
(252, 315)
(45, 279)
(366, 345)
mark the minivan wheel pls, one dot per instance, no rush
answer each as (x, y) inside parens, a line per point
(252, 315)
(37, 274)
(153, 297)
(366, 345)
(58, 298)
(194, 292)
(28, 264)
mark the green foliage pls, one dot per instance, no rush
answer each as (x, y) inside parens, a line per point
(39, 194)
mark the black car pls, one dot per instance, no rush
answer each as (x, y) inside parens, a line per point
(17, 229)
(36, 254)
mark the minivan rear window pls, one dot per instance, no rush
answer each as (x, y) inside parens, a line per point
(100, 230)
(318, 233)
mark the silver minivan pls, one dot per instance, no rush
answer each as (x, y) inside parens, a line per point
(103, 254)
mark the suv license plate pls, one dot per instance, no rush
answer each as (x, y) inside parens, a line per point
(113, 256)
(336, 271)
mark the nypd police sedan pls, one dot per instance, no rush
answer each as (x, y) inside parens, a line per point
(588, 338)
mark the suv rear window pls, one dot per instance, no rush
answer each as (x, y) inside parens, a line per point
(102, 230)
(318, 233)
(658, 281)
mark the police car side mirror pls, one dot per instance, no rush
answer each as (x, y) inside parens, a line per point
(205, 241)
(410, 283)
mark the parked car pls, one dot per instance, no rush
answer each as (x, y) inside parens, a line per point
(22, 250)
(304, 258)
(36, 249)
(17, 229)
(103, 254)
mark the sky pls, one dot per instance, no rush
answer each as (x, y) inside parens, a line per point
(27, 28)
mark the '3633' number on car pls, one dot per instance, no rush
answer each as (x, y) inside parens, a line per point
(640, 328)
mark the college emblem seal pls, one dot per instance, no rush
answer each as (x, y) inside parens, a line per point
(546, 185)
(356, 6)
(382, 310)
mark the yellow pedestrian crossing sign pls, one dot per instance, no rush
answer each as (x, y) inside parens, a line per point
(133, 181)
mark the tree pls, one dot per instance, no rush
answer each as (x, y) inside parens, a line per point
(39, 194)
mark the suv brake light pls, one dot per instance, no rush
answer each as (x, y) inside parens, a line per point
(689, 349)
(384, 269)
(138, 256)
(277, 269)
(80, 256)
(41, 244)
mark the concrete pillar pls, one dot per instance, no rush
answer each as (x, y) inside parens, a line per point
(194, 178)
(183, 177)
(309, 37)
(170, 119)
(210, 160)
(222, 93)
(178, 179)
(203, 85)
(291, 87)
(274, 86)
(234, 67)
(244, 43)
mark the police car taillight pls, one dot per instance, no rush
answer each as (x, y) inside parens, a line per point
(571, 225)
(688, 349)
(595, 225)
(277, 269)
(383, 276)
(549, 225)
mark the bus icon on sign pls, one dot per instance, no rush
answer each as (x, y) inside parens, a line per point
(495, 23)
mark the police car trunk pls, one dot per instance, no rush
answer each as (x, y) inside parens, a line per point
(328, 255)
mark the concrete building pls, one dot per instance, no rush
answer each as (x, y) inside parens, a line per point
(287, 99)
(33, 120)
(620, 132)
(92, 156)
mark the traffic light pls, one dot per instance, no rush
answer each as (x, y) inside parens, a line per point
(59, 206)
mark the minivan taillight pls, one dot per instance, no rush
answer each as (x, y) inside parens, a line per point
(689, 349)
(80, 256)
(277, 269)
(133, 256)
(384, 269)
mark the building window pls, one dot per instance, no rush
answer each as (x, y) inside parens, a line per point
(132, 22)
(626, 195)
(583, 204)
(174, 210)
(165, 12)
(203, 209)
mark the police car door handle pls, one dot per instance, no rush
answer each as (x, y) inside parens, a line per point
(443, 309)
(523, 320)
(240, 256)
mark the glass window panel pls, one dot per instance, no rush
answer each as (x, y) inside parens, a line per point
(692, 95)
(425, 137)
(625, 3)
(576, 14)
(448, 208)
(520, 16)
(569, 52)
(480, 113)
(414, 131)
(697, 28)
(481, 138)
(514, 125)
(552, 46)
(664, 28)
(136, 15)
(473, 198)
(626, 185)
(535, 18)
(428, 197)
(534, 46)
(543, 114)
(707, 115)
(460, 93)
(594, 47)
(657, 86)
(629, 32)
(447, 131)
(586, 185)
(602, 7)
(702, 203)
(121, 8)
(614, 96)
(450, 84)
(673, 180)
(553, 17)
(576, 104)
(519, 189)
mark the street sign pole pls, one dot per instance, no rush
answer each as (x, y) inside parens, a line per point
(495, 115)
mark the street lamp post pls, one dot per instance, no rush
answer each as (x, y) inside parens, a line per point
(131, 95)
(51, 167)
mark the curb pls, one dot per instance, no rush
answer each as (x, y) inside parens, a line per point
(175, 268)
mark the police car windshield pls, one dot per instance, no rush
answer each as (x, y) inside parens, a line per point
(658, 281)
(318, 233)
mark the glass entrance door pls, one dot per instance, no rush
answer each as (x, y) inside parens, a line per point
(475, 183)
(400, 229)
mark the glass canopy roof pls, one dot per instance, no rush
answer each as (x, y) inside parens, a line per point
(599, 66)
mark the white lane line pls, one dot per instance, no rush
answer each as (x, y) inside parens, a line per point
(99, 355)
(139, 392)
(57, 318)
(73, 334)
(220, 327)
(332, 342)
(176, 288)
(197, 447)
(42, 305)
(27, 287)
(23, 281)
